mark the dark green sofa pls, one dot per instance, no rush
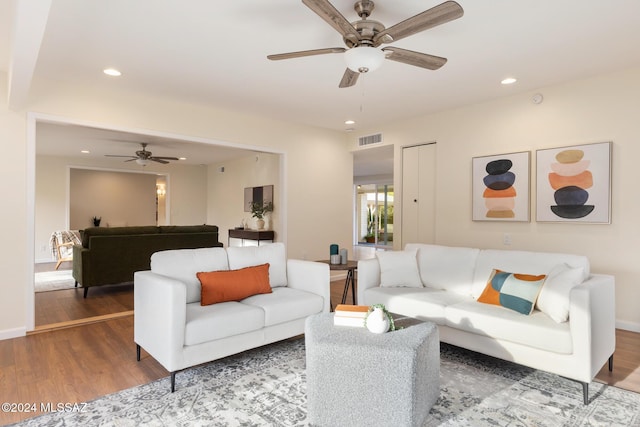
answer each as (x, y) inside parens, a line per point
(110, 256)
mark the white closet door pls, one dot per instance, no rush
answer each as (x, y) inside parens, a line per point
(418, 194)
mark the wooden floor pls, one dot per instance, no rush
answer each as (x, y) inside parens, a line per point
(81, 363)
(69, 305)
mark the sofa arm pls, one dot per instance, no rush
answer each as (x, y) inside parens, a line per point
(312, 277)
(160, 306)
(592, 317)
(368, 276)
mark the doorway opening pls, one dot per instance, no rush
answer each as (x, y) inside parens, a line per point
(374, 215)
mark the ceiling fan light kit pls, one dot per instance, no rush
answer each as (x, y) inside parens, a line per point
(363, 37)
(363, 59)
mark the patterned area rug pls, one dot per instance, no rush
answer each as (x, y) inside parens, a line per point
(53, 280)
(266, 387)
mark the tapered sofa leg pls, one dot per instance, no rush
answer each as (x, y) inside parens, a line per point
(86, 290)
(585, 393)
(76, 283)
(173, 381)
(611, 363)
(138, 352)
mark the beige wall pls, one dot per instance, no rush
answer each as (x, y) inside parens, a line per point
(317, 173)
(186, 192)
(118, 198)
(226, 192)
(600, 109)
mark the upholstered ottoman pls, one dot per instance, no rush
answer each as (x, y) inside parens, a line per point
(358, 378)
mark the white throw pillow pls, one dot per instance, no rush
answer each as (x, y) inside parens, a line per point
(554, 297)
(399, 268)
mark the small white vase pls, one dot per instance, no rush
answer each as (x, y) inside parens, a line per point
(377, 321)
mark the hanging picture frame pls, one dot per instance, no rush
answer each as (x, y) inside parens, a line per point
(501, 187)
(573, 184)
(263, 194)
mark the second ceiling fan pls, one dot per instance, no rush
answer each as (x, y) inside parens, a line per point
(363, 37)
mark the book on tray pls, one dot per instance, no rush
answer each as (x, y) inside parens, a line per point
(350, 315)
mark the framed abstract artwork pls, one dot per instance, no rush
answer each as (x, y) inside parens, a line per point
(500, 187)
(573, 184)
(262, 194)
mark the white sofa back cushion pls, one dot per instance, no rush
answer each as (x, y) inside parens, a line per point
(446, 267)
(522, 262)
(183, 264)
(273, 253)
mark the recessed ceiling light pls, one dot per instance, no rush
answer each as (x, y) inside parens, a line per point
(112, 72)
(182, 158)
(509, 80)
(85, 151)
(349, 122)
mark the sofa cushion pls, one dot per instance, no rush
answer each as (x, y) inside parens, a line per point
(524, 262)
(212, 322)
(420, 303)
(286, 304)
(183, 264)
(446, 267)
(172, 229)
(537, 330)
(554, 296)
(514, 291)
(87, 233)
(233, 285)
(272, 253)
(399, 268)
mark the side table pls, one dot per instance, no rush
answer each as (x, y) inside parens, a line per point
(350, 267)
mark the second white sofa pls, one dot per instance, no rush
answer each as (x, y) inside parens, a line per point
(174, 328)
(442, 284)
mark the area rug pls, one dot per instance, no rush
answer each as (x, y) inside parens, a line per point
(267, 386)
(53, 280)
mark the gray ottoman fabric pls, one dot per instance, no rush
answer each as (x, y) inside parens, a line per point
(357, 378)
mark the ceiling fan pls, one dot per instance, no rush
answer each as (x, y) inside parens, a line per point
(363, 37)
(143, 156)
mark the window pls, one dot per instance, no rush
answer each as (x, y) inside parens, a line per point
(374, 215)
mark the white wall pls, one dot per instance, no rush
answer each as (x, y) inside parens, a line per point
(600, 109)
(118, 198)
(226, 191)
(317, 172)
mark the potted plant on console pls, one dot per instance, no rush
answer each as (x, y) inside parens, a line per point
(258, 211)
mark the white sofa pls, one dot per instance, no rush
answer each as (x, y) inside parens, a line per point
(452, 278)
(176, 330)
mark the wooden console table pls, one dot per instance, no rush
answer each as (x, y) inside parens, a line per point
(250, 237)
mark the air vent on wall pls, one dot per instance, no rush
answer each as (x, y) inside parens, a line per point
(370, 139)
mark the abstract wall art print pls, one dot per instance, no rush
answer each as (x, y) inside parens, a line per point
(501, 187)
(574, 184)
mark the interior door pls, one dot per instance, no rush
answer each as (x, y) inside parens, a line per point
(418, 194)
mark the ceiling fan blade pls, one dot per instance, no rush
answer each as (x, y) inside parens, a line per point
(330, 14)
(164, 158)
(115, 155)
(302, 53)
(417, 59)
(445, 12)
(349, 78)
(159, 160)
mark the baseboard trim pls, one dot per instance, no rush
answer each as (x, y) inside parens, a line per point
(8, 334)
(628, 326)
(79, 322)
(338, 275)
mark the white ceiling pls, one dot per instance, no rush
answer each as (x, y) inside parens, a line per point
(214, 52)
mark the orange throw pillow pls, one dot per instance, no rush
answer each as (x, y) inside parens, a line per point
(233, 285)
